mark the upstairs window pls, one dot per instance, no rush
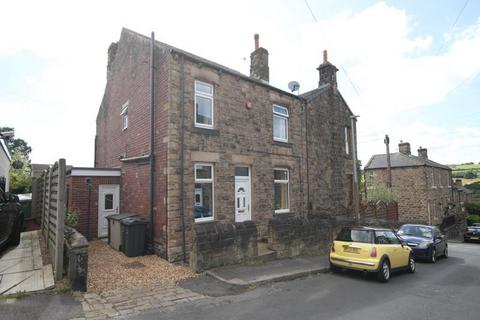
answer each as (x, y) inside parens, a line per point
(280, 123)
(124, 115)
(203, 105)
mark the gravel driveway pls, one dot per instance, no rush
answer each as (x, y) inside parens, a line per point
(110, 269)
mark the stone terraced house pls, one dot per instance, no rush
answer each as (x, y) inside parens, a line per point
(423, 188)
(223, 156)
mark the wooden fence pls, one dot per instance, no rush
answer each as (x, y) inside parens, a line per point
(380, 210)
(53, 212)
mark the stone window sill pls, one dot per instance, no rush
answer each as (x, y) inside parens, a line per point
(282, 144)
(211, 132)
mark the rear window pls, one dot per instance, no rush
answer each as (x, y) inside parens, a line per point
(355, 235)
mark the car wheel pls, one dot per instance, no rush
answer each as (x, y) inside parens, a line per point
(15, 241)
(384, 272)
(411, 264)
(433, 257)
(445, 252)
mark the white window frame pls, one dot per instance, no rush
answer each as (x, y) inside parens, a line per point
(287, 182)
(124, 115)
(205, 96)
(211, 180)
(282, 116)
(347, 144)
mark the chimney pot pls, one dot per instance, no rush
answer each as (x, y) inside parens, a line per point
(404, 147)
(259, 62)
(327, 72)
(422, 153)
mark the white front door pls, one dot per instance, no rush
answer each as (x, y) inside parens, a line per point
(108, 203)
(242, 194)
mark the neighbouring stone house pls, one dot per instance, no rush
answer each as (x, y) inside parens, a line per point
(231, 157)
(460, 194)
(423, 188)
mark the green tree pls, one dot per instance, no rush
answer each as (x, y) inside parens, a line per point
(20, 174)
(20, 179)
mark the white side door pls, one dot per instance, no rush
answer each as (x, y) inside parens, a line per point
(108, 203)
(242, 194)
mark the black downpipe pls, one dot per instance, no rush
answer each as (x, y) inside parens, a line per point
(182, 153)
(152, 139)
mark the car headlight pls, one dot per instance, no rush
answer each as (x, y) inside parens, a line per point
(424, 245)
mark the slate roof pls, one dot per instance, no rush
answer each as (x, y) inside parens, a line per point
(210, 63)
(400, 160)
(462, 188)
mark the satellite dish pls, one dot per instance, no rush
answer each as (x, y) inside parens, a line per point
(293, 86)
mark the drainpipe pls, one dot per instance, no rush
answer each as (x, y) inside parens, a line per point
(182, 153)
(88, 181)
(353, 120)
(309, 205)
(152, 139)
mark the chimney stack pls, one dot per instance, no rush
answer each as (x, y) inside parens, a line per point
(259, 62)
(422, 153)
(404, 147)
(327, 72)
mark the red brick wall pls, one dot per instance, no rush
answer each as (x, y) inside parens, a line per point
(78, 200)
(129, 80)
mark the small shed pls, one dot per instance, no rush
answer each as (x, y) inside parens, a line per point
(93, 194)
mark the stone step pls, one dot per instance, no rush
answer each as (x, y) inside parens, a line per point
(265, 254)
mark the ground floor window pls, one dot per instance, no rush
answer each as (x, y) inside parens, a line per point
(203, 207)
(281, 177)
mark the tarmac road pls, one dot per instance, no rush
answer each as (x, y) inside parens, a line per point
(449, 289)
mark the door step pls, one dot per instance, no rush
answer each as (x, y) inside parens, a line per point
(265, 254)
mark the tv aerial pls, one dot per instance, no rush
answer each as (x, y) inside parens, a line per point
(294, 86)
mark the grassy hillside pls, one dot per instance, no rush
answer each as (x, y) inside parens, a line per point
(469, 173)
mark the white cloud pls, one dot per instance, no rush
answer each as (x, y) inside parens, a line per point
(393, 70)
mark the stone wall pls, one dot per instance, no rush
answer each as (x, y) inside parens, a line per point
(295, 236)
(216, 244)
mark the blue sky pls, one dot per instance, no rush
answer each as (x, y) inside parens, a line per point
(404, 66)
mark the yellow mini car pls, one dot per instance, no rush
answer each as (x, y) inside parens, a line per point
(373, 250)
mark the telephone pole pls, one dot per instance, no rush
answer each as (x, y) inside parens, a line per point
(389, 166)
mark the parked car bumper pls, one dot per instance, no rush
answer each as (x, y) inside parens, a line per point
(471, 237)
(369, 265)
(422, 253)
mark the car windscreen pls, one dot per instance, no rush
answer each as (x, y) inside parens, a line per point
(355, 235)
(416, 231)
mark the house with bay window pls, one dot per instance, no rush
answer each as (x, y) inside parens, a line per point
(211, 156)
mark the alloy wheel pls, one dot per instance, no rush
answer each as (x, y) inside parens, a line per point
(412, 265)
(445, 253)
(386, 270)
(433, 258)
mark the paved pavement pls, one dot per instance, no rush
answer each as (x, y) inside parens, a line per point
(272, 271)
(128, 302)
(446, 290)
(21, 268)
